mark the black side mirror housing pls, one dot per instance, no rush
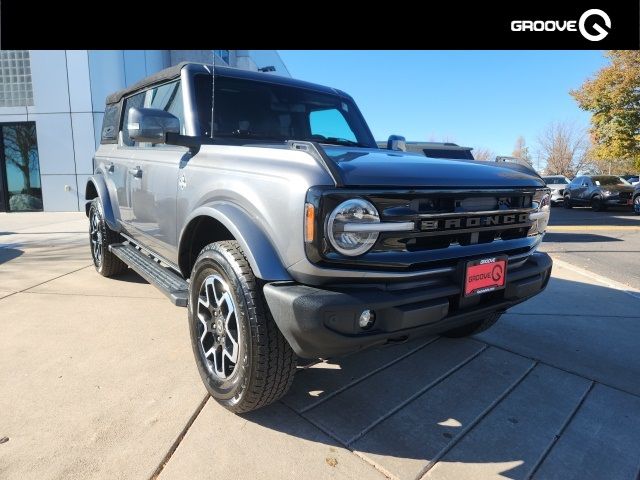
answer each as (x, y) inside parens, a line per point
(151, 124)
(397, 142)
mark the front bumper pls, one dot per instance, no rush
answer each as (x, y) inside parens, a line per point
(557, 196)
(618, 201)
(324, 322)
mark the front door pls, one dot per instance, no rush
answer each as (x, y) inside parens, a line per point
(152, 176)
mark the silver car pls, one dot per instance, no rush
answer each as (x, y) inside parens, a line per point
(557, 184)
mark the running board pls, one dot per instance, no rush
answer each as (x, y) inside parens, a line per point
(164, 279)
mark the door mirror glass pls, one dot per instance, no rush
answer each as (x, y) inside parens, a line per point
(151, 124)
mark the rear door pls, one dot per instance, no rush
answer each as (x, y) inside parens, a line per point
(153, 175)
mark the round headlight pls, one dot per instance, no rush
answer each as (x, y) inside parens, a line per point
(349, 227)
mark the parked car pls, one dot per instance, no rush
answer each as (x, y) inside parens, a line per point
(633, 180)
(598, 191)
(266, 208)
(636, 199)
(557, 184)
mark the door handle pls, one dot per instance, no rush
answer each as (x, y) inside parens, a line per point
(110, 168)
(136, 172)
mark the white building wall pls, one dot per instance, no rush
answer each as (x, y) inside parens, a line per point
(69, 91)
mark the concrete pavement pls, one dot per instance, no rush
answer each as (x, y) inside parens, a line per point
(98, 381)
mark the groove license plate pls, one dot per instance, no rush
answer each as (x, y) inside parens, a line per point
(485, 275)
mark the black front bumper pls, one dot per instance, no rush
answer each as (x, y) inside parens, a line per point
(324, 322)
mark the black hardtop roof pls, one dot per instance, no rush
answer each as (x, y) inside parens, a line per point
(174, 72)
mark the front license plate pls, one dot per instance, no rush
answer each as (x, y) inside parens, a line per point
(484, 275)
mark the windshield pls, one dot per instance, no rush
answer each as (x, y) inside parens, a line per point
(609, 180)
(249, 109)
(555, 180)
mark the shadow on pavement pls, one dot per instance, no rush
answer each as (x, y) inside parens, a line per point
(500, 411)
(8, 254)
(559, 237)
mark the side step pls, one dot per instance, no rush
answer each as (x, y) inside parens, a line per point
(164, 279)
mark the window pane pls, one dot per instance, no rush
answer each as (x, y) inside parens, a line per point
(21, 166)
(330, 124)
(15, 78)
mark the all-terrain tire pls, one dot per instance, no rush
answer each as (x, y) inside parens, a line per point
(266, 364)
(100, 237)
(473, 328)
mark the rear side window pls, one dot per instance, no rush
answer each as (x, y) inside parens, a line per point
(110, 124)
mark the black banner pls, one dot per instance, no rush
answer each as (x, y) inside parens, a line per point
(555, 24)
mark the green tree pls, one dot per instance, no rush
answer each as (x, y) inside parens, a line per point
(613, 98)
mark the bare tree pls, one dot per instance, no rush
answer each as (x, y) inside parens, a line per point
(565, 148)
(484, 154)
(521, 151)
(20, 150)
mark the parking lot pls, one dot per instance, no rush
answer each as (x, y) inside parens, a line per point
(99, 379)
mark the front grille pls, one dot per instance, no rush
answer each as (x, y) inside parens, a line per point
(452, 218)
(449, 225)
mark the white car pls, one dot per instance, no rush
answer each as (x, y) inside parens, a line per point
(557, 184)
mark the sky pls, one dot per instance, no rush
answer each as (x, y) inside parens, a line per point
(478, 99)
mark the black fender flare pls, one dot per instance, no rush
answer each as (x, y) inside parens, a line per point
(96, 183)
(258, 248)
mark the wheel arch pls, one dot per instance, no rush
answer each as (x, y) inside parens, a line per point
(97, 188)
(225, 221)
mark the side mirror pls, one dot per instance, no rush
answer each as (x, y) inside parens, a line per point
(397, 142)
(151, 124)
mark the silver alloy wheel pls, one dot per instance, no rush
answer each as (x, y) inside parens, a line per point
(95, 235)
(218, 328)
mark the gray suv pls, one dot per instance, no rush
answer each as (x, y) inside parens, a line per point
(264, 206)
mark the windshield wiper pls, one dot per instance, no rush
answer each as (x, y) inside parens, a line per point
(339, 141)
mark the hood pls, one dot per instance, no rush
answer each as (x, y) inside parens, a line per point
(385, 168)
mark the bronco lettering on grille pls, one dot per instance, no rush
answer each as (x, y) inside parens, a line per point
(472, 222)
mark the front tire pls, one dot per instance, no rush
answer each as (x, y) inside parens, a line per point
(473, 328)
(243, 359)
(566, 203)
(100, 237)
(636, 204)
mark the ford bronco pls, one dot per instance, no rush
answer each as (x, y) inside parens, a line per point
(264, 206)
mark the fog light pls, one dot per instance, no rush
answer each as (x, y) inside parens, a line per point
(367, 319)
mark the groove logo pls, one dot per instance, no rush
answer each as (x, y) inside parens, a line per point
(569, 25)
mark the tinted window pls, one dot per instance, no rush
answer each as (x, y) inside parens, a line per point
(166, 97)
(249, 109)
(110, 124)
(576, 182)
(555, 180)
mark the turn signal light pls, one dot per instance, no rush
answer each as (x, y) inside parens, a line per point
(309, 222)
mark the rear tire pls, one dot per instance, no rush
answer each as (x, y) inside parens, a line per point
(100, 237)
(597, 204)
(243, 359)
(566, 203)
(473, 328)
